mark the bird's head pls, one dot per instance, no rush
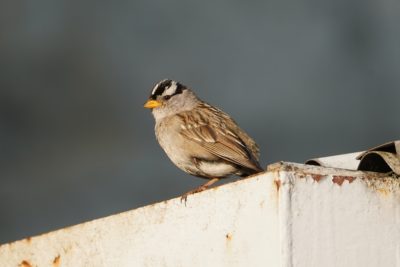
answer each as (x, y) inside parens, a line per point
(169, 97)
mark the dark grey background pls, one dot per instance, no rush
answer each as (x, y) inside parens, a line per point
(305, 78)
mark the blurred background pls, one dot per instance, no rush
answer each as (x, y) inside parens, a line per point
(305, 78)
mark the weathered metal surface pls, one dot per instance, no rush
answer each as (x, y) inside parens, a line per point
(391, 147)
(231, 225)
(383, 158)
(292, 215)
(345, 161)
(380, 161)
(342, 218)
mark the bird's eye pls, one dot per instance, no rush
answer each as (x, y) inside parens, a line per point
(167, 97)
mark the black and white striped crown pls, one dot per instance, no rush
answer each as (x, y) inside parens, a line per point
(168, 88)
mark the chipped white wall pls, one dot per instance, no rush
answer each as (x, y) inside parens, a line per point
(339, 218)
(232, 225)
(292, 215)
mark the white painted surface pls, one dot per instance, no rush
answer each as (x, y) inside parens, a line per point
(352, 224)
(232, 225)
(293, 215)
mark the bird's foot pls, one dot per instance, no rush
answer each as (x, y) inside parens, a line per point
(198, 189)
(191, 192)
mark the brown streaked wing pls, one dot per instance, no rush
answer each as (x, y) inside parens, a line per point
(226, 146)
(231, 127)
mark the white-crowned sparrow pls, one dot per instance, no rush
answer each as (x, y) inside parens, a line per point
(200, 139)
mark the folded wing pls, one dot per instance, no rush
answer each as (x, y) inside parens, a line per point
(224, 144)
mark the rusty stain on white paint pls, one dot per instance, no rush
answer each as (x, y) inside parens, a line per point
(293, 214)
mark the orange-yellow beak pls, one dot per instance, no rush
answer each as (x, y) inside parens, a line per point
(152, 104)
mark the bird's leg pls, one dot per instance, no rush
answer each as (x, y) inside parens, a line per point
(199, 189)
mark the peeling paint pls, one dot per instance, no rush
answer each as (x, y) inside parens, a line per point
(340, 179)
(57, 261)
(384, 186)
(273, 211)
(25, 263)
(277, 184)
(317, 177)
(382, 191)
(228, 236)
(228, 243)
